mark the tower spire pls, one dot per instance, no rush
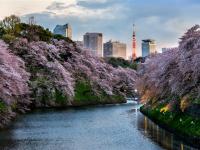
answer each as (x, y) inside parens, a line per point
(134, 44)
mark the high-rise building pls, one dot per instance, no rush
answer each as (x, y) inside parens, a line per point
(64, 30)
(148, 47)
(31, 20)
(134, 55)
(114, 49)
(94, 42)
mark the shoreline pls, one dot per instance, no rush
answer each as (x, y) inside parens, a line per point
(9, 123)
(190, 140)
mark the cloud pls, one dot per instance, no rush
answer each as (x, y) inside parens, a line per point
(59, 6)
(97, 4)
(83, 10)
(164, 21)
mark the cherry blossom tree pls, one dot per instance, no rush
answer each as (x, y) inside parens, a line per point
(174, 73)
(14, 88)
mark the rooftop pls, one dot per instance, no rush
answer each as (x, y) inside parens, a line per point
(149, 41)
(93, 33)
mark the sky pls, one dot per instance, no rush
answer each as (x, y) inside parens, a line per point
(163, 20)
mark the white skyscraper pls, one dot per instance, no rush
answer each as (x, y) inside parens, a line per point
(94, 42)
(114, 49)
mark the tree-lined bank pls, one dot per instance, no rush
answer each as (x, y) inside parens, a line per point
(169, 84)
(39, 69)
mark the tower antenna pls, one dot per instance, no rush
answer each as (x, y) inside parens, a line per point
(134, 56)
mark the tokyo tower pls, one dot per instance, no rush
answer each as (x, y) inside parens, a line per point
(134, 56)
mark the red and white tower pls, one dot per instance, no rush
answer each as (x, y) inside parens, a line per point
(134, 56)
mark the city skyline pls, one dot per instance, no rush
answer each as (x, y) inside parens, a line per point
(113, 18)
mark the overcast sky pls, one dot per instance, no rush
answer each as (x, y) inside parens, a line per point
(162, 20)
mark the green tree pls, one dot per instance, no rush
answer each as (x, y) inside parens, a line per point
(11, 27)
(2, 30)
(8, 38)
(34, 32)
(10, 24)
(116, 62)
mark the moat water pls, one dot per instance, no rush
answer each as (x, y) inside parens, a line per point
(111, 127)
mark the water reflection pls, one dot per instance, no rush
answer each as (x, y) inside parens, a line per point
(111, 127)
(6, 140)
(160, 136)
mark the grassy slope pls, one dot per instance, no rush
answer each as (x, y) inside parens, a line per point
(183, 125)
(85, 95)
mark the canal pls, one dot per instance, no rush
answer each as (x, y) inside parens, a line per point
(111, 127)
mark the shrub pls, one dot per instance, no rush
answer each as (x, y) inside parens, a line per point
(8, 38)
(2, 106)
(61, 37)
(116, 62)
(60, 98)
(84, 92)
(2, 30)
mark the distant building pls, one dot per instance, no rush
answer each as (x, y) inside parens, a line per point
(93, 42)
(114, 49)
(79, 44)
(64, 30)
(148, 47)
(165, 49)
